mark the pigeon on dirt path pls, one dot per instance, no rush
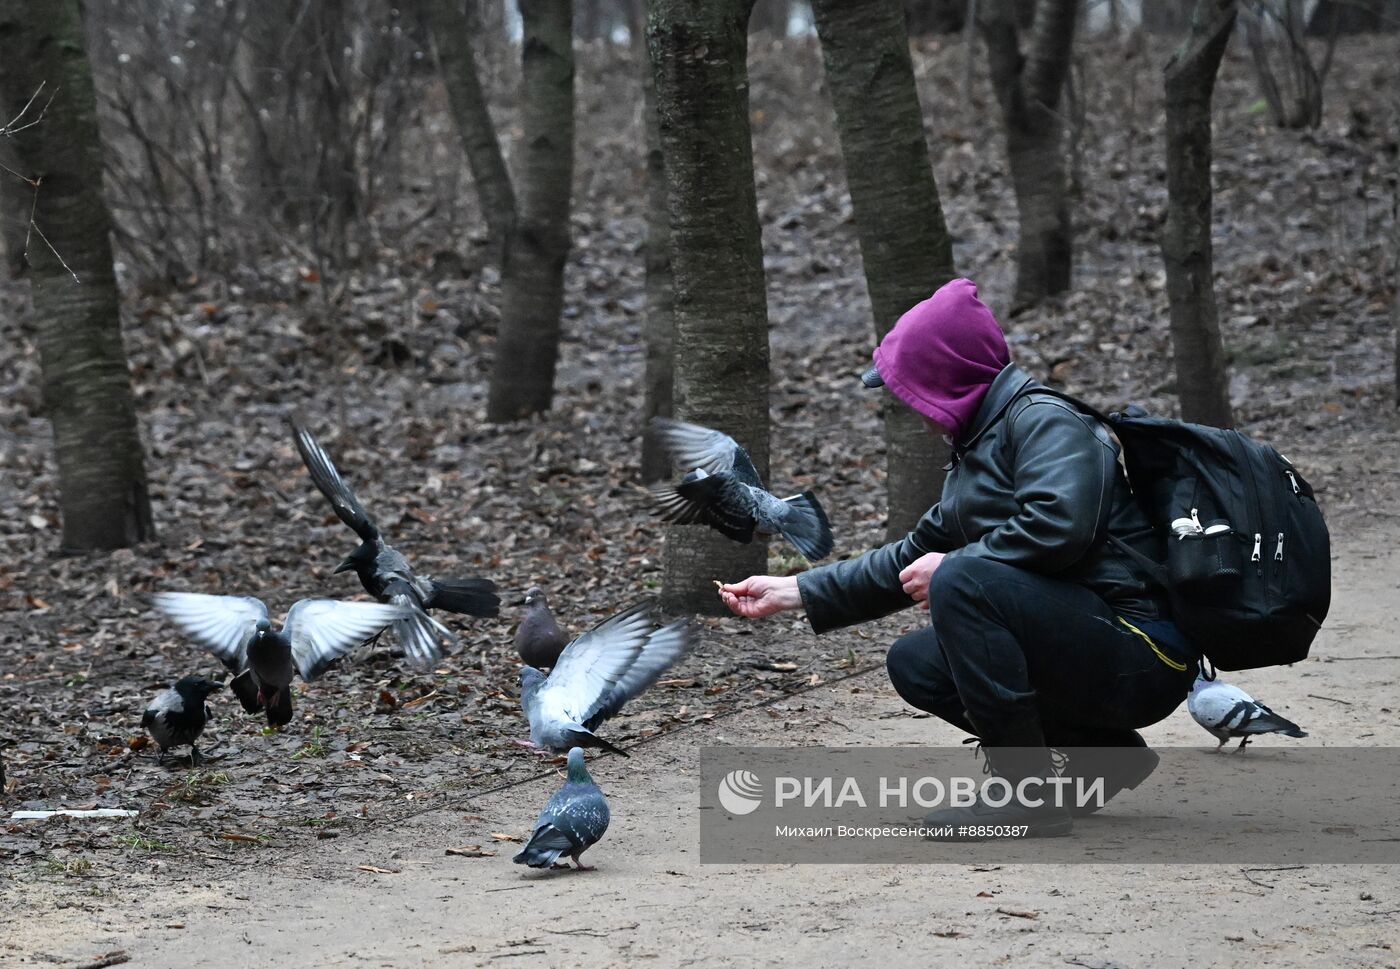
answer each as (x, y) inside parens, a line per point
(722, 489)
(596, 674)
(386, 574)
(1229, 712)
(176, 717)
(573, 820)
(539, 640)
(263, 660)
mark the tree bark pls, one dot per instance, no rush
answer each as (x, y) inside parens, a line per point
(532, 278)
(1028, 85)
(1332, 17)
(1201, 379)
(87, 387)
(904, 243)
(452, 44)
(659, 379)
(925, 17)
(721, 317)
(1165, 16)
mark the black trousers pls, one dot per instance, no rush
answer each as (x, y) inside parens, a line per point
(1020, 659)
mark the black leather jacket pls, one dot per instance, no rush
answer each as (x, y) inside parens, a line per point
(1034, 484)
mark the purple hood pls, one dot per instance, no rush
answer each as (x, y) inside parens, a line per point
(943, 354)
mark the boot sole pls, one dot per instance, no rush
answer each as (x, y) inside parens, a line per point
(1150, 760)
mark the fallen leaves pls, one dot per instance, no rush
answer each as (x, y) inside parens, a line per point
(470, 851)
(376, 870)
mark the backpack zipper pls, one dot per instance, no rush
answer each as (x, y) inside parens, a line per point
(1258, 546)
(1293, 480)
(1278, 549)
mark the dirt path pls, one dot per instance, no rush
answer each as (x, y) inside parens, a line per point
(652, 903)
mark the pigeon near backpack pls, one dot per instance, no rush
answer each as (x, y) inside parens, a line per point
(1248, 568)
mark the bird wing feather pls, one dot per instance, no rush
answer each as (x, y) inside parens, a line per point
(224, 625)
(695, 446)
(328, 481)
(323, 630)
(664, 648)
(591, 665)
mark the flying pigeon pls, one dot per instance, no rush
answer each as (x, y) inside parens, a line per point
(573, 820)
(1228, 712)
(263, 660)
(386, 574)
(598, 673)
(539, 640)
(176, 717)
(722, 489)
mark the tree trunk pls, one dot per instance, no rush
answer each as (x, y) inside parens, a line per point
(721, 352)
(925, 17)
(904, 243)
(1201, 380)
(1331, 17)
(1028, 86)
(770, 17)
(87, 387)
(337, 186)
(457, 63)
(532, 278)
(1165, 16)
(660, 321)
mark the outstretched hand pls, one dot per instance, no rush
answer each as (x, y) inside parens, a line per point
(915, 577)
(761, 595)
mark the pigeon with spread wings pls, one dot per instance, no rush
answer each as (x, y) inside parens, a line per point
(722, 489)
(263, 660)
(596, 674)
(385, 572)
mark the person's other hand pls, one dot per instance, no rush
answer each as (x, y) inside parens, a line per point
(761, 595)
(914, 578)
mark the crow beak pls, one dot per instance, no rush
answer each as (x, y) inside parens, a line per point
(345, 566)
(524, 602)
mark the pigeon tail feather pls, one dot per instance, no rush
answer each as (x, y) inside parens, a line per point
(587, 738)
(466, 597)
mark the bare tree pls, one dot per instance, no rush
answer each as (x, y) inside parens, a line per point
(659, 379)
(1290, 81)
(87, 387)
(698, 53)
(1029, 79)
(452, 44)
(904, 243)
(532, 278)
(924, 17)
(531, 212)
(1201, 379)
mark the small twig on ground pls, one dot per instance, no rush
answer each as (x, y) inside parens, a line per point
(1254, 881)
(102, 962)
(1330, 699)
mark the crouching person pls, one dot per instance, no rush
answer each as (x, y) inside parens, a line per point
(1041, 635)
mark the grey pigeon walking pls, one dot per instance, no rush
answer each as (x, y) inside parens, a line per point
(176, 717)
(573, 820)
(1229, 712)
(263, 660)
(539, 640)
(596, 674)
(385, 572)
(722, 489)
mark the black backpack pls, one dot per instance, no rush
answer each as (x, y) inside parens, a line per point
(1249, 566)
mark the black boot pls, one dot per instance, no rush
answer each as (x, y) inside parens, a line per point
(1121, 758)
(980, 820)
